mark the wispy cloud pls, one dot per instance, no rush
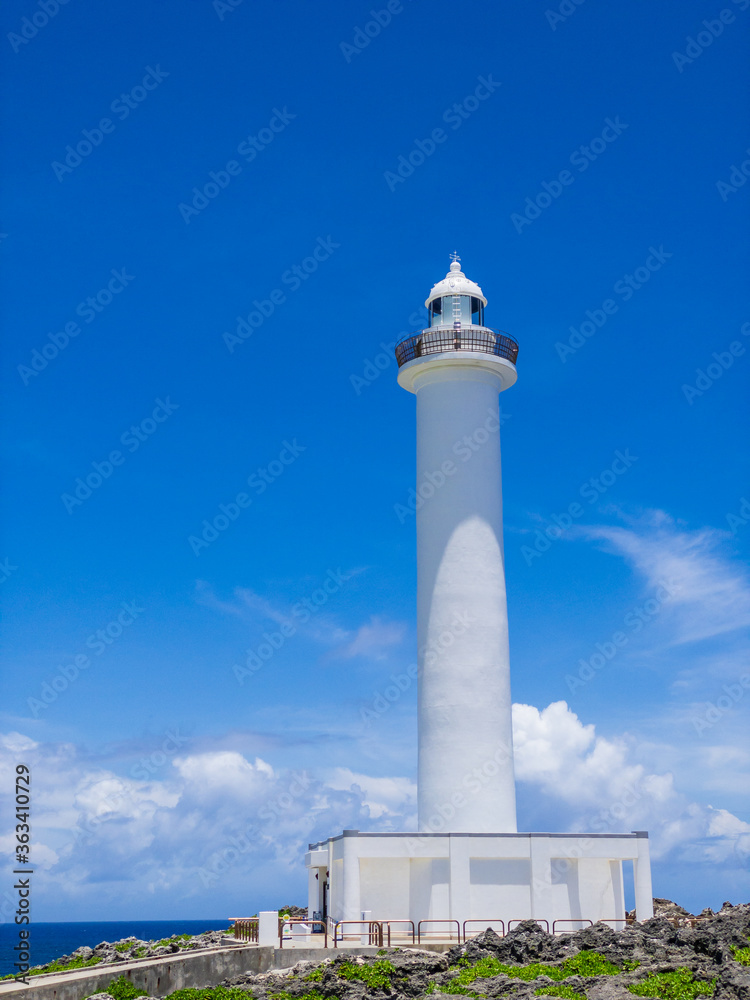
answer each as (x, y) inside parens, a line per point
(373, 639)
(712, 595)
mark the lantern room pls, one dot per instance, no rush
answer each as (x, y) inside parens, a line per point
(456, 301)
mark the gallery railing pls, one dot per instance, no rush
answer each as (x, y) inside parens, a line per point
(438, 340)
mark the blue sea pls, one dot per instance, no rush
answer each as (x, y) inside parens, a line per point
(50, 940)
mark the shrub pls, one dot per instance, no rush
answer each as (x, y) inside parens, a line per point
(210, 993)
(559, 991)
(122, 989)
(585, 963)
(373, 975)
(678, 985)
(741, 955)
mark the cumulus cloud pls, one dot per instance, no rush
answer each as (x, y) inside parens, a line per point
(215, 825)
(600, 787)
(384, 797)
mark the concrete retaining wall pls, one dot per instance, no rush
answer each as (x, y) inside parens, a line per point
(158, 976)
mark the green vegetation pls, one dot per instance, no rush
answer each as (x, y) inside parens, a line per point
(741, 955)
(585, 963)
(122, 989)
(559, 991)
(211, 993)
(315, 976)
(678, 985)
(178, 939)
(75, 963)
(124, 945)
(377, 974)
(288, 996)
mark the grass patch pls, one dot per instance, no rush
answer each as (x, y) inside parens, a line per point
(178, 939)
(125, 945)
(288, 996)
(210, 993)
(122, 989)
(678, 985)
(377, 974)
(75, 963)
(741, 955)
(315, 976)
(559, 991)
(585, 963)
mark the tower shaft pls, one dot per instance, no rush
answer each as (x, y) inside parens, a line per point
(466, 779)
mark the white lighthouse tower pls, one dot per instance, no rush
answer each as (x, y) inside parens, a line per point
(457, 368)
(467, 867)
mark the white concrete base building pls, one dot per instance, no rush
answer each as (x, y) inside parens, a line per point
(485, 877)
(467, 862)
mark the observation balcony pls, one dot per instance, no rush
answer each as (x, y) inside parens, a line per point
(440, 340)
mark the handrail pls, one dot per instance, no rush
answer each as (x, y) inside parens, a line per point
(301, 920)
(383, 923)
(613, 920)
(477, 920)
(246, 929)
(537, 920)
(436, 921)
(438, 340)
(374, 929)
(571, 920)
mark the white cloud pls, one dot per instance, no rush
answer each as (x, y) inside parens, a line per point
(601, 787)
(217, 826)
(373, 639)
(711, 595)
(384, 797)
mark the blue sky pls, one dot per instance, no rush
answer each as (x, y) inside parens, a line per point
(583, 168)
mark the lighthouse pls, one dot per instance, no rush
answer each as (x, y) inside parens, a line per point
(467, 866)
(457, 368)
